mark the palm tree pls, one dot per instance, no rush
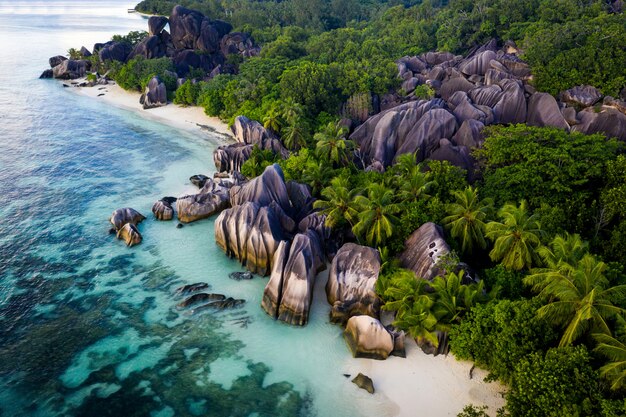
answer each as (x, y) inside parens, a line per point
(377, 214)
(615, 351)
(272, 121)
(452, 299)
(415, 185)
(317, 175)
(338, 204)
(577, 297)
(516, 238)
(567, 249)
(467, 217)
(331, 144)
(294, 137)
(291, 111)
(407, 296)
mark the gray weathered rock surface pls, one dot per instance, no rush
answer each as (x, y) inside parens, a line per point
(582, 96)
(126, 215)
(543, 110)
(163, 210)
(423, 249)
(155, 95)
(129, 234)
(350, 289)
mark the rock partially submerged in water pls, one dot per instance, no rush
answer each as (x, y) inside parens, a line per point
(364, 382)
(423, 249)
(189, 288)
(121, 217)
(251, 234)
(199, 298)
(350, 289)
(71, 69)
(200, 206)
(199, 180)
(129, 234)
(288, 294)
(219, 305)
(240, 276)
(368, 338)
(163, 210)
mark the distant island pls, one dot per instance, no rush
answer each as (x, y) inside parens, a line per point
(459, 169)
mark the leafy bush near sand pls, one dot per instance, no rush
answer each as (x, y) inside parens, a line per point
(187, 94)
(136, 73)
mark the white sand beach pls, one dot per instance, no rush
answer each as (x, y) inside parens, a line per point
(428, 386)
(188, 118)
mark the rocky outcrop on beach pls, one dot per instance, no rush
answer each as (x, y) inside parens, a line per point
(423, 250)
(113, 51)
(368, 338)
(212, 199)
(70, 69)
(155, 94)
(350, 289)
(364, 382)
(248, 133)
(267, 188)
(156, 24)
(289, 292)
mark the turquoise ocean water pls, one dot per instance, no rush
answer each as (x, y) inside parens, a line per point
(89, 327)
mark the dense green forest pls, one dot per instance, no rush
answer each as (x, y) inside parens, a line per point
(544, 223)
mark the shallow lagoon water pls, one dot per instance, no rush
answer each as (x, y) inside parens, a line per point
(89, 327)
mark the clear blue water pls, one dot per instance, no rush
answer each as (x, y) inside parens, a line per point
(88, 327)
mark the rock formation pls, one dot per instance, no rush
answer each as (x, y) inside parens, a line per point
(368, 338)
(364, 382)
(212, 199)
(155, 95)
(288, 294)
(263, 190)
(70, 69)
(122, 216)
(350, 289)
(423, 249)
(163, 210)
(129, 234)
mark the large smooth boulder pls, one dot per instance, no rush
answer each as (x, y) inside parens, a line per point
(581, 96)
(451, 86)
(114, 51)
(189, 58)
(469, 134)
(364, 382)
(543, 110)
(368, 338)
(155, 95)
(239, 43)
(129, 234)
(71, 69)
(251, 234)
(156, 24)
(163, 210)
(511, 107)
(263, 190)
(478, 64)
(423, 250)
(126, 215)
(457, 155)
(610, 122)
(424, 137)
(150, 48)
(288, 294)
(190, 29)
(350, 289)
(200, 206)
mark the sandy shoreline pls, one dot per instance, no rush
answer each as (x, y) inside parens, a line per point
(425, 385)
(190, 118)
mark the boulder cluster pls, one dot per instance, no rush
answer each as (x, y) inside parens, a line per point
(488, 86)
(125, 221)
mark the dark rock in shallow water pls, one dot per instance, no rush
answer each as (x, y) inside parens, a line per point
(200, 206)
(364, 382)
(179, 226)
(189, 288)
(239, 276)
(368, 338)
(200, 297)
(56, 60)
(169, 200)
(47, 74)
(122, 216)
(220, 305)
